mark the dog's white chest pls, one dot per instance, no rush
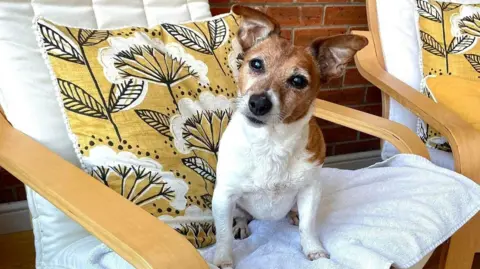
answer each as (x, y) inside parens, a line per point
(267, 205)
(271, 186)
(265, 171)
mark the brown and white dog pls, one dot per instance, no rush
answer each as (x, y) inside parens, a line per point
(272, 148)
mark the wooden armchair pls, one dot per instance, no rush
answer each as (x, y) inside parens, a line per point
(459, 252)
(142, 240)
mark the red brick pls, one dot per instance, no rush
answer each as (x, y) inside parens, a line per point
(364, 136)
(21, 194)
(261, 8)
(286, 16)
(287, 33)
(339, 134)
(371, 109)
(334, 83)
(262, 1)
(218, 2)
(8, 180)
(323, 123)
(336, 15)
(306, 36)
(6, 196)
(329, 150)
(323, 1)
(353, 96)
(353, 77)
(374, 95)
(357, 147)
(312, 15)
(219, 10)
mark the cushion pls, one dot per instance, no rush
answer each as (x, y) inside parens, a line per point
(393, 213)
(28, 98)
(461, 96)
(401, 53)
(448, 33)
(145, 109)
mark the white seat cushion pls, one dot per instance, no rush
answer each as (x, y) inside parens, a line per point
(395, 212)
(27, 95)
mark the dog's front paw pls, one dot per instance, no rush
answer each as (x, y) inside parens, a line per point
(314, 250)
(223, 259)
(317, 255)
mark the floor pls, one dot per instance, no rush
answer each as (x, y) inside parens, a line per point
(17, 251)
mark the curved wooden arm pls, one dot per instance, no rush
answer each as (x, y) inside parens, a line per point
(463, 138)
(139, 238)
(400, 136)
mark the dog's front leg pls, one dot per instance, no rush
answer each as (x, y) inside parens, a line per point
(308, 202)
(223, 204)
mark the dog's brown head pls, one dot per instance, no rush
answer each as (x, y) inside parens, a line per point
(279, 81)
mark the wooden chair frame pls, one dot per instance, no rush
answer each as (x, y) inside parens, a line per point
(459, 252)
(138, 237)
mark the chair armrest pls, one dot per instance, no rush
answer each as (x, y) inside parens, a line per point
(138, 237)
(463, 138)
(400, 136)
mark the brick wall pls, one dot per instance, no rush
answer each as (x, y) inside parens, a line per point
(304, 20)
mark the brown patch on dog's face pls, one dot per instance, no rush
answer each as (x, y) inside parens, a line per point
(287, 74)
(278, 81)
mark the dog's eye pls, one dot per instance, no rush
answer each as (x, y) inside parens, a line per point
(256, 65)
(298, 81)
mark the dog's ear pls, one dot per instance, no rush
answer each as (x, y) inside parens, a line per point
(334, 53)
(254, 27)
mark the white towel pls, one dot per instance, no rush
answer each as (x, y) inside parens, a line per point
(392, 213)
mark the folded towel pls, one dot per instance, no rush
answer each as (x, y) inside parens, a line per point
(392, 213)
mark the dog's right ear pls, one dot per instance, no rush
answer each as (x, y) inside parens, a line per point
(254, 27)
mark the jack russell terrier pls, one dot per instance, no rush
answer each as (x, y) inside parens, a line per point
(272, 148)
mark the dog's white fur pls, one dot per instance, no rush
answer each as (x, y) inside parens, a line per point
(265, 170)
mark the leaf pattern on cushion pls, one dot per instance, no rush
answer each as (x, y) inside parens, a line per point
(57, 45)
(200, 42)
(91, 37)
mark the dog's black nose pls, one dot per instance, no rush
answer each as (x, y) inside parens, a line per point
(259, 104)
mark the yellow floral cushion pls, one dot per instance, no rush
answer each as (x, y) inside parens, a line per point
(146, 107)
(449, 34)
(460, 95)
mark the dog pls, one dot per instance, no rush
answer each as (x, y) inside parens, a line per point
(272, 148)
